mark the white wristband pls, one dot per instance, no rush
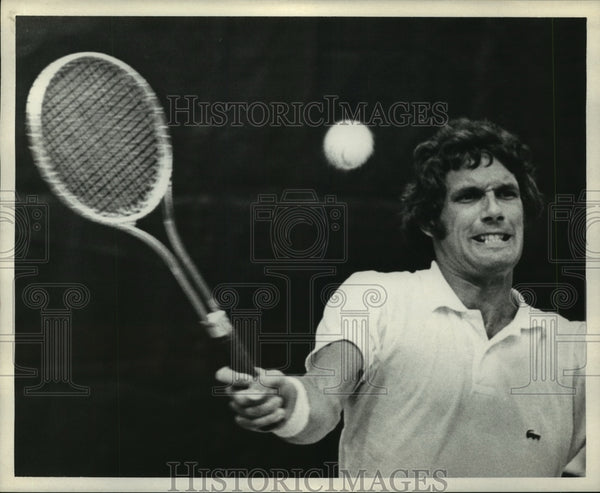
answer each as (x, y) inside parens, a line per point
(300, 414)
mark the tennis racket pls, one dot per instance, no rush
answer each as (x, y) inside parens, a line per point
(98, 135)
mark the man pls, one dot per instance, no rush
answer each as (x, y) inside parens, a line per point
(438, 375)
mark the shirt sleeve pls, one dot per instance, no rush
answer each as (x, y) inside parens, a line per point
(355, 312)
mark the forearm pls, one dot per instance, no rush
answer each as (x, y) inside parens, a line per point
(323, 411)
(325, 392)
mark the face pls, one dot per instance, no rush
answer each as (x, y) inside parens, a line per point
(483, 218)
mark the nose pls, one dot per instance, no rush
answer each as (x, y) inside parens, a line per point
(491, 208)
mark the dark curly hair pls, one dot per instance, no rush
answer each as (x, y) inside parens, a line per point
(463, 143)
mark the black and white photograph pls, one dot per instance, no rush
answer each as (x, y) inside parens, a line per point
(299, 246)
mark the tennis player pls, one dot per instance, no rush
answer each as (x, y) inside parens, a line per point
(448, 371)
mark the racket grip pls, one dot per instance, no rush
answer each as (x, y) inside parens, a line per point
(222, 332)
(240, 359)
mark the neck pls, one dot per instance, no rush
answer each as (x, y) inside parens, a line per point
(490, 295)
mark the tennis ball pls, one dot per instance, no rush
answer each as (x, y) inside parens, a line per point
(348, 144)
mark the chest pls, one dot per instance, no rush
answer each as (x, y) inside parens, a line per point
(478, 387)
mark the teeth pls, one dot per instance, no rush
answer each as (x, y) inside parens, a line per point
(492, 238)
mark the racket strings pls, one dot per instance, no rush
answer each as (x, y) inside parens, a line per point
(98, 179)
(107, 133)
(100, 133)
(94, 177)
(72, 110)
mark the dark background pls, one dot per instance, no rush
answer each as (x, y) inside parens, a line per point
(136, 345)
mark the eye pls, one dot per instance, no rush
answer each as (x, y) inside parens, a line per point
(508, 193)
(467, 196)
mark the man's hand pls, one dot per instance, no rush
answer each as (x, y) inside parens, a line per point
(261, 404)
(298, 409)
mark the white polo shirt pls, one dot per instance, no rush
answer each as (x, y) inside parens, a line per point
(438, 394)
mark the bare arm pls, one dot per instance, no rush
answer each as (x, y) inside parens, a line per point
(267, 404)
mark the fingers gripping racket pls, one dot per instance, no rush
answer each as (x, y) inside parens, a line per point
(98, 135)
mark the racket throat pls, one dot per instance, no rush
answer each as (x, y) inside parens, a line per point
(181, 252)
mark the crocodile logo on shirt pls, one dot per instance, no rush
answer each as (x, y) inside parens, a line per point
(533, 435)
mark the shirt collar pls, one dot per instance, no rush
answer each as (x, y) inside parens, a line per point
(438, 292)
(527, 317)
(441, 295)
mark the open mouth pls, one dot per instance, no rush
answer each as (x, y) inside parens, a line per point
(492, 238)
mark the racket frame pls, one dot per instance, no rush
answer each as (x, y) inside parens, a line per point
(180, 264)
(35, 102)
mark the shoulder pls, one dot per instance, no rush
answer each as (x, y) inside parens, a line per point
(572, 334)
(567, 326)
(567, 336)
(374, 288)
(383, 278)
(563, 324)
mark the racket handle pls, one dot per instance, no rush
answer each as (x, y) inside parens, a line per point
(240, 359)
(220, 329)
